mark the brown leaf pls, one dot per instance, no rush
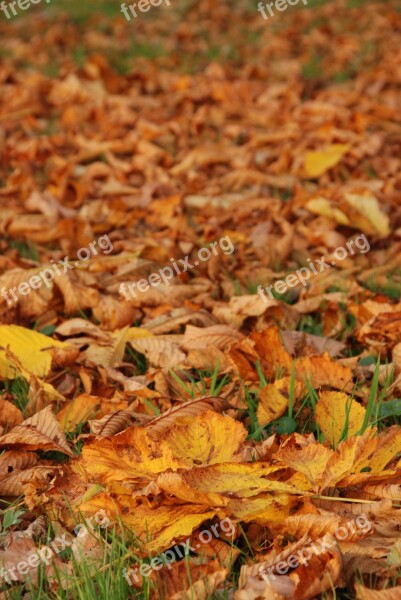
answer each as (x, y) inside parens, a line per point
(161, 351)
(196, 338)
(111, 424)
(40, 432)
(188, 409)
(185, 582)
(364, 593)
(10, 415)
(16, 460)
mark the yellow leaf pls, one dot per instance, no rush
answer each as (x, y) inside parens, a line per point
(323, 370)
(272, 404)
(32, 349)
(388, 446)
(140, 452)
(107, 355)
(311, 459)
(186, 409)
(320, 161)
(175, 486)
(129, 455)
(323, 207)
(157, 528)
(163, 527)
(336, 412)
(263, 509)
(207, 438)
(243, 480)
(77, 411)
(137, 332)
(347, 457)
(371, 219)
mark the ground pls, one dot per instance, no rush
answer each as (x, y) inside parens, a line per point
(200, 315)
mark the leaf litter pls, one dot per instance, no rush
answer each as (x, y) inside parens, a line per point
(198, 400)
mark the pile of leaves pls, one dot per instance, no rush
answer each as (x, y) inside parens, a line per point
(199, 400)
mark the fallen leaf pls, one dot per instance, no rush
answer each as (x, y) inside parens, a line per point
(338, 415)
(319, 161)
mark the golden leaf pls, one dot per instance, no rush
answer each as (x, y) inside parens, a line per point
(338, 414)
(269, 345)
(128, 455)
(237, 480)
(77, 411)
(348, 457)
(176, 486)
(157, 529)
(272, 404)
(319, 161)
(263, 509)
(32, 349)
(367, 214)
(186, 409)
(323, 207)
(323, 370)
(207, 438)
(388, 446)
(311, 460)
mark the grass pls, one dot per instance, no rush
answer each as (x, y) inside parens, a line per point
(121, 565)
(81, 12)
(87, 581)
(11, 518)
(313, 69)
(25, 249)
(18, 388)
(388, 284)
(379, 413)
(119, 547)
(372, 407)
(311, 324)
(285, 425)
(203, 383)
(137, 359)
